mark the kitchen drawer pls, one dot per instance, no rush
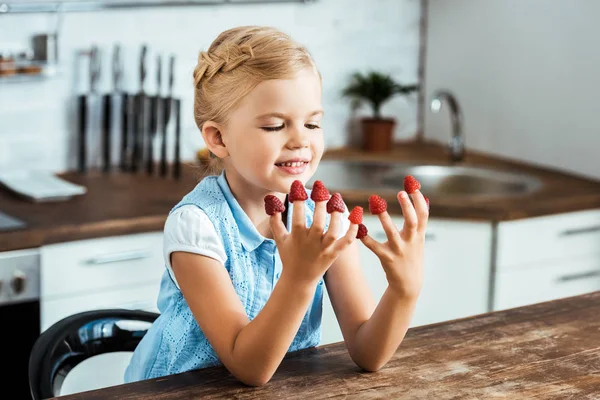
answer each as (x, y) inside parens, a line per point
(97, 264)
(547, 281)
(548, 238)
(133, 298)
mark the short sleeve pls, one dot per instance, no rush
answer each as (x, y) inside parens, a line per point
(189, 229)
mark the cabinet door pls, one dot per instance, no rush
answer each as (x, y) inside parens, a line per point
(93, 265)
(456, 272)
(548, 238)
(141, 297)
(546, 281)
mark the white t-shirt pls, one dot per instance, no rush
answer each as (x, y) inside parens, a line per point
(189, 229)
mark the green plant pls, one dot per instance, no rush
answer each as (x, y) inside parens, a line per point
(374, 88)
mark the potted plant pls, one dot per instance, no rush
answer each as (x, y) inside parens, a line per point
(375, 88)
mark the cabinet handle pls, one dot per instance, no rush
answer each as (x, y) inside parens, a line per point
(579, 231)
(575, 277)
(381, 236)
(125, 256)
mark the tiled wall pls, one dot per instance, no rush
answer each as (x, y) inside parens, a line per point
(38, 121)
(525, 74)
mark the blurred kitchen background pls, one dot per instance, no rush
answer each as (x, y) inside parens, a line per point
(495, 112)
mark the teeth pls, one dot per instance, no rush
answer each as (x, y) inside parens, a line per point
(293, 164)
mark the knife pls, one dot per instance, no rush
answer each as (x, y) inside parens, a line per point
(140, 115)
(154, 112)
(166, 117)
(83, 103)
(107, 105)
(177, 161)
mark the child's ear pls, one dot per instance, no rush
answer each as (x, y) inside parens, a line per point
(211, 133)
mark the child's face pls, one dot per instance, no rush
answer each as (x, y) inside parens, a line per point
(274, 136)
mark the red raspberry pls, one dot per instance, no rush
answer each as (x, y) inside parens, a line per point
(356, 215)
(336, 203)
(319, 192)
(273, 205)
(377, 205)
(362, 231)
(297, 192)
(411, 185)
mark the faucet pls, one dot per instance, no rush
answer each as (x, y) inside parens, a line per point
(457, 142)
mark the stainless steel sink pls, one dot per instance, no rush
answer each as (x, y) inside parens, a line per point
(440, 181)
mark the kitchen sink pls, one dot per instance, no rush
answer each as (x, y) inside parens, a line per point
(440, 181)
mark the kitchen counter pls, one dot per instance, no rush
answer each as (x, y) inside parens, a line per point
(543, 351)
(118, 204)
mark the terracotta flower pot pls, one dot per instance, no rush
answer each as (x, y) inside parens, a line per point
(377, 133)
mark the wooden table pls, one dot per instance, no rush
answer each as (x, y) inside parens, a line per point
(545, 351)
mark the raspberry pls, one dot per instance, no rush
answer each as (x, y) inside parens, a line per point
(411, 185)
(319, 192)
(297, 192)
(273, 205)
(362, 231)
(377, 205)
(356, 215)
(336, 203)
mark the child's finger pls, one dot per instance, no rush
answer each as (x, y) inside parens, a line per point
(277, 227)
(390, 228)
(335, 223)
(421, 208)
(319, 217)
(408, 211)
(298, 215)
(372, 244)
(347, 239)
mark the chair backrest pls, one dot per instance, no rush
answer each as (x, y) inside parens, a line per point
(78, 337)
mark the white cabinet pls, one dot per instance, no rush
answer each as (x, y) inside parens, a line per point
(546, 258)
(116, 271)
(456, 272)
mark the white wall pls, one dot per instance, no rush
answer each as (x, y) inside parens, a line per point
(526, 74)
(37, 120)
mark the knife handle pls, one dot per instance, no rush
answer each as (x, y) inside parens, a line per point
(106, 142)
(82, 159)
(124, 130)
(163, 144)
(177, 161)
(154, 104)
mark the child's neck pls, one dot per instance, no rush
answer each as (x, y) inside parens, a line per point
(251, 200)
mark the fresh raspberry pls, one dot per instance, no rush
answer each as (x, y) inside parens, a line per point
(362, 231)
(273, 205)
(377, 205)
(411, 185)
(297, 192)
(336, 203)
(356, 215)
(319, 192)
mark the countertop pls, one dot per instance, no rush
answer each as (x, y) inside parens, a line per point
(543, 351)
(119, 203)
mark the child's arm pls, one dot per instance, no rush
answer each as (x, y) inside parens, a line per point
(373, 334)
(252, 350)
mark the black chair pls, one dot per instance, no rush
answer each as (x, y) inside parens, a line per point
(78, 337)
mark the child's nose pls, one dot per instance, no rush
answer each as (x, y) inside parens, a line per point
(298, 137)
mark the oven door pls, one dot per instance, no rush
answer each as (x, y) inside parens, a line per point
(19, 316)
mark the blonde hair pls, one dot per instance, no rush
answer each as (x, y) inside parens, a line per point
(235, 63)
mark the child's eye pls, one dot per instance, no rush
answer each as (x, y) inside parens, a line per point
(312, 126)
(272, 128)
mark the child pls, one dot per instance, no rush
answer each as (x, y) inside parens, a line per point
(241, 288)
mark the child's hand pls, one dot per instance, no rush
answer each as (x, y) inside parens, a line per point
(402, 255)
(307, 253)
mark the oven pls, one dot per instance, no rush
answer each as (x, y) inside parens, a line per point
(19, 316)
